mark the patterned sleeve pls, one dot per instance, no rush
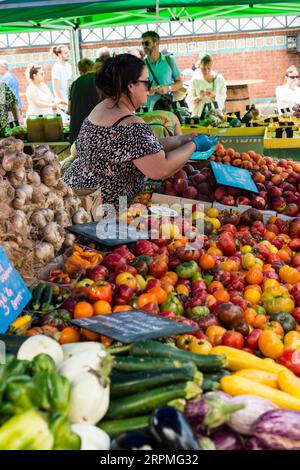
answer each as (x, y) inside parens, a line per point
(140, 141)
(10, 97)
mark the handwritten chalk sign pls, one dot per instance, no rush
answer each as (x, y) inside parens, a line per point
(133, 326)
(108, 233)
(14, 295)
(232, 176)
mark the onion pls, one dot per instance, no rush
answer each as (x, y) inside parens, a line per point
(242, 420)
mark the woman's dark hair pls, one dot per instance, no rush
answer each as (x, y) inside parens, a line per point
(56, 50)
(33, 70)
(163, 104)
(85, 65)
(117, 73)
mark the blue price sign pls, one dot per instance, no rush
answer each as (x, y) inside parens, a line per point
(232, 176)
(14, 295)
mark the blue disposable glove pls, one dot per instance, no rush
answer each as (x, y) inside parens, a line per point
(204, 143)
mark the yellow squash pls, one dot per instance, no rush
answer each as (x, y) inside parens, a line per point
(260, 376)
(235, 385)
(238, 360)
(289, 383)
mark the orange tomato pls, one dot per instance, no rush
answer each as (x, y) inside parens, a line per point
(229, 265)
(221, 295)
(270, 344)
(168, 288)
(207, 262)
(213, 250)
(101, 307)
(89, 335)
(210, 300)
(254, 276)
(259, 321)
(181, 289)
(284, 254)
(249, 315)
(255, 287)
(160, 294)
(70, 334)
(105, 340)
(122, 308)
(172, 276)
(215, 334)
(83, 309)
(274, 326)
(269, 235)
(215, 285)
(127, 279)
(145, 299)
(252, 295)
(289, 275)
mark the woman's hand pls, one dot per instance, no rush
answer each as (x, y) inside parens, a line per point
(186, 138)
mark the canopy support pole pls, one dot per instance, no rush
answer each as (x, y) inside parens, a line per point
(157, 13)
(75, 48)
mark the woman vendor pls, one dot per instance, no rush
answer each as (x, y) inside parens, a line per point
(116, 149)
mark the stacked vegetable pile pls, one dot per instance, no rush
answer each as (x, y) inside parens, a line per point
(52, 401)
(36, 206)
(278, 183)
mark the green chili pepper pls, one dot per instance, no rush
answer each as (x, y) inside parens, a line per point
(64, 437)
(55, 390)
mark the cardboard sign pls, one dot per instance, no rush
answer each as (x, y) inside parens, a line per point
(133, 326)
(14, 295)
(232, 176)
(108, 233)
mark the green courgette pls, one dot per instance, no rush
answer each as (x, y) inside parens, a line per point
(47, 299)
(123, 385)
(37, 296)
(116, 427)
(209, 385)
(204, 362)
(145, 402)
(129, 364)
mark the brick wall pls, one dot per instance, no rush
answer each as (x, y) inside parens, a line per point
(237, 56)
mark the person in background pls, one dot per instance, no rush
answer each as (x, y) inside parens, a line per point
(116, 149)
(162, 120)
(61, 76)
(288, 95)
(138, 53)
(8, 105)
(163, 70)
(11, 80)
(39, 97)
(85, 65)
(84, 95)
(206, 86)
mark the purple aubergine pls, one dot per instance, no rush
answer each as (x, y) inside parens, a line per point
(241, 421)
(207, 413)
(224, 439)
(278, 430)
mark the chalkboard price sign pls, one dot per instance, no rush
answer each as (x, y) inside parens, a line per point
(133, 326)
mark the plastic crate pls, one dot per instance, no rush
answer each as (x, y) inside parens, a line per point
(271, 142)
(229, 131)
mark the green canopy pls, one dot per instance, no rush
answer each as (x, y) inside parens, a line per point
(24, 15)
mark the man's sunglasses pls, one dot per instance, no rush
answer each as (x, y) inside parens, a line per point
(145, 43)
(293, 76)
(148, 83)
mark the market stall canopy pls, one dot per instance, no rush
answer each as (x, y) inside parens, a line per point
(22, 15)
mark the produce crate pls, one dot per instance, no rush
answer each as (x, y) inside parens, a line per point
(229, 131)
(271, 142)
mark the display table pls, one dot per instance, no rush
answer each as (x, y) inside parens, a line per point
(238, 94)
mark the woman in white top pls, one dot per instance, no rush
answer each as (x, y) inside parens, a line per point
(206, 86)
(39, 97)
(288, 95)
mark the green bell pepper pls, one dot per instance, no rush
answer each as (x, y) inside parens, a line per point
(19, 394)
(27, 431)
(173, 304)
(187, 270)
(55, 391)
(42, 363)
(64, 437)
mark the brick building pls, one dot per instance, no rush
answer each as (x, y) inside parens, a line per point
(260, 55)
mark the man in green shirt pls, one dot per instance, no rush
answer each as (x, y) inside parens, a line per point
(163, 70)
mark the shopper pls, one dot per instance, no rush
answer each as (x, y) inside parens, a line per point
(8, 107)
(206, 87)
(162, 120)
(84, 96)
(116, 149)
(11, 80)
(163, 70)
(288, 95)
(61, 77)
(85, 65)
(39, 97)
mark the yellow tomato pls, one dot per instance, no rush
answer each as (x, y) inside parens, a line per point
(212, 212)
(246, 249)
(169, 231)
(252, 295)
(229, 265)
(216, 223)
(285, 237)
(248, 261)
(270, 344)
(270, 283)
(181, 289)
(200, 346)
(198, 215)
